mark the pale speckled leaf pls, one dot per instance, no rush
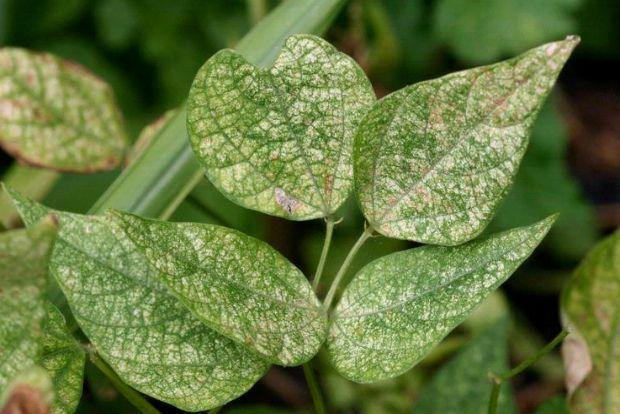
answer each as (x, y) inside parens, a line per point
(462, 385)
(591, 313)
(279, 140)
(238, 285)
(63, 358)
(150, 339)
(55, 114)
(24, 257)
(432, 161)
(398, 307)
(32, 330)
(147, 134)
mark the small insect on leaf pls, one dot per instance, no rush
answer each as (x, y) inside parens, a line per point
(150, 339)
(55, 114)
(591, 313)
(398, 307)
(236, 284)
(433, 160)
(279, 140)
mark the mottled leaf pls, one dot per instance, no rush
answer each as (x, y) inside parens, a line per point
(398, 307)
(32, 330)
(484, 30)
(433, 160)
(238, 285)
(149, 338)
(55, 114)
(279, 140)
(462, 385)
(23, 279)
(591, 313)
(63, 358)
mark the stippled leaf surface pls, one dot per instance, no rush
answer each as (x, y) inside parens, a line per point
(462, 385)
(32, 330)
(398, 307)
(433, 160)
(63, 358)
(238, 285)
(57, 115)
(591, 312)
(145, 334)
(279, 140)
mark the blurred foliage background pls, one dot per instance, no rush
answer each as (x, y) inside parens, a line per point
(149, 51)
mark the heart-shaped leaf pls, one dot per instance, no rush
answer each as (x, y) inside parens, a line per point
(591, 313)
(150, 339)
(462, 385)
(433, 160)
(238, 285)
(280, 140)
(55, 114)
(32, 330)
(398, 307)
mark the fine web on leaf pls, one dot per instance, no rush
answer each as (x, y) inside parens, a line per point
(32, 330)
(150, 339)
(433, 160)
(57, 115)
(238, 285)
(398, 307)
(591, 313)
(279, 140)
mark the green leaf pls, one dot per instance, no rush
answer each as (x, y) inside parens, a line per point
(433, 160)
(238, 285)
(63, 358)
(57, 115)
(279, 140)
(462, 385)
(150, 339)
(592, 316)
(32, 330)
(485, 30)
(398, 307)
(30, 392)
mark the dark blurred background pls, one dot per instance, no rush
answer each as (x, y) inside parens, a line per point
(149, 51)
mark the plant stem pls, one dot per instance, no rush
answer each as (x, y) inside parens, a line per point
(498, 380)
(345, 266)
(134, 397)
(257, 9)
(329, 231)
(315, 390)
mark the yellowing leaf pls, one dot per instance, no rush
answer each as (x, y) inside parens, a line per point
(591, 313)
(280, 140)
(238, 285)
(433, 160)
(398, 307)
(55, 114)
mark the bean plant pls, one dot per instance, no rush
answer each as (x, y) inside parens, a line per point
(194, 314)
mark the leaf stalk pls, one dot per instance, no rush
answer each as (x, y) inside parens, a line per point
(315, 390)
(498, 380)
(329, 231)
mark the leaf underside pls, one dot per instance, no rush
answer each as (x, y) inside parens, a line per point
(433, 160)
(55, 114)
(238, 285)
(398, 307)
(462, 386)
(279, 140)
(32, 330)
(591, 311)
(151, 340)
